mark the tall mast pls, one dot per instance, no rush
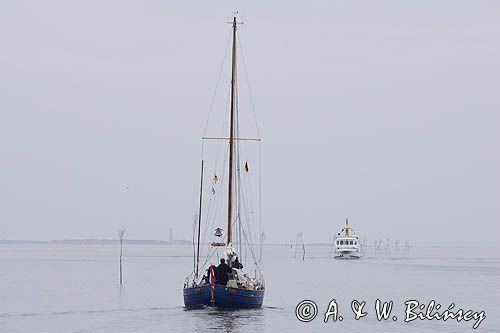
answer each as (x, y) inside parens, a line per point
(231, 137)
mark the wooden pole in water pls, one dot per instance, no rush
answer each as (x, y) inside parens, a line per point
(121, 232)
(121, 251)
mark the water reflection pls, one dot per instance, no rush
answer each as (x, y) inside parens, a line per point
(213, 319)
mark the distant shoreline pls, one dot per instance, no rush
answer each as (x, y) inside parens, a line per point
(97, 242)
(126, 241)
(189, 243)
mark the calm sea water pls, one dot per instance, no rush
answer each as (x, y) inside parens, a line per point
(74, 288)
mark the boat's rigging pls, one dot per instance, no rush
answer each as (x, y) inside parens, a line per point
(236, 134)
(212, 214)
(252, 104)
(246, 194)
(246, 206)
(194, 244)
(251, 251)
(262, 237)
(199, 222)
(235, 139)
(233, 288)
(213, 250)
(245, 198)
(217, 84)
(242, 214)
(248, 86)
(250, 241)
(261, 233)
(217, 195)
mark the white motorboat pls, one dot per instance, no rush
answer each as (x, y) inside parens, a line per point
(347, 245)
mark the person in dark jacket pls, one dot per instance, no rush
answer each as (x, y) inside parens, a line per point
(237, 264)
(223, 271)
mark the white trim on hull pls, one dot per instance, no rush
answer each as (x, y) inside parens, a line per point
(348, 255)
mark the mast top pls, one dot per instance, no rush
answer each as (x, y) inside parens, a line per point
(234, 22)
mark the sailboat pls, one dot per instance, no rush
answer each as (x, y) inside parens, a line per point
(226, 285)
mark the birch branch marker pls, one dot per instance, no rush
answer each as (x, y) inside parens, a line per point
(121, 232)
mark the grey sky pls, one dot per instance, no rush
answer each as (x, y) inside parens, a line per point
(386, 112)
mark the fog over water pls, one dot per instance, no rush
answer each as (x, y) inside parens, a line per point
(384, 112)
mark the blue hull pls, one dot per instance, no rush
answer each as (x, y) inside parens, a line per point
(223, 297)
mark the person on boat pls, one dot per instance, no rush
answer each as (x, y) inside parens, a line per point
(223, 272)
(206, 278)
(237, 264)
